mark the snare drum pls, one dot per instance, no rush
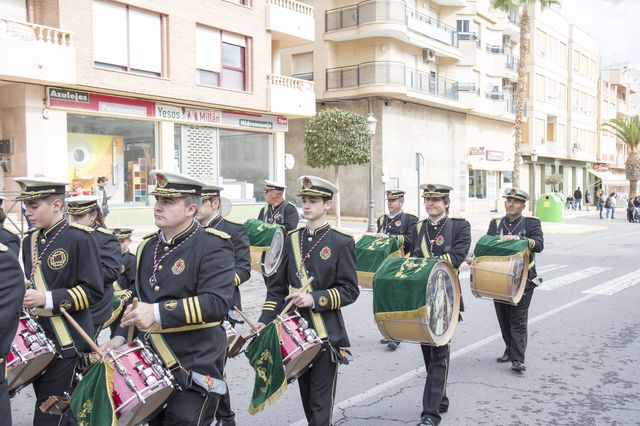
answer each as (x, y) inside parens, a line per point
(141, 385)
(299, 344)
(30, 353)
(417, 300)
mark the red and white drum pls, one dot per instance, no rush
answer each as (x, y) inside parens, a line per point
(299, 344)
(231, 332)
(31, 352)
(141, 385)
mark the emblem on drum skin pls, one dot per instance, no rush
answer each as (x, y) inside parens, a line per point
(440, 240)
(170, 305)
(65, 304)
(161, 180)
(323, 301)
(325, 253)
(58, 259)
(398, 223)
(178, 267)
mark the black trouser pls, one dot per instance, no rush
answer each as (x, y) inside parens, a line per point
(5, 406)
(188, 408)
(56, 381)
(513, 325)
(434, 397)
(318, 389)
(224, 412)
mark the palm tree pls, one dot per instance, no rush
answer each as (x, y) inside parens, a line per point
(627, 129)
(522, 7)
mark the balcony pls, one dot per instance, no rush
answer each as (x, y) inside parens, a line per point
(293, 97)
(35, 53)
(511, 63)
(375, 18)
(290, 22)
(393, 78)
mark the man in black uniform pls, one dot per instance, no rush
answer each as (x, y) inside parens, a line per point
(446, 238)
(83, 210)
(400, 225)
(7, 237)
(513, 319)
(185, 280)
(11, 294)
(62, 262)
(277, 209)
(209, 216)
(127, 277)
(328, 256)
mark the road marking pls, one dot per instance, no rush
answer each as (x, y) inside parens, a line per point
(417, 372)
(571, 278)
(616, 285)
(548, 268)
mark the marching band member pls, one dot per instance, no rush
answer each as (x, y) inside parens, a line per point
(513, 319)
(127, 277)
(210, 217)
(62, 262)
(450, 239)
(7, 237)
(185, 282)
(328, 256)
(396, 224)
(277, 209)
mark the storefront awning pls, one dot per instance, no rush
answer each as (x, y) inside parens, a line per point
(609, 179)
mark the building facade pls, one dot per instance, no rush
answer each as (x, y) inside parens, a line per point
(104, 88)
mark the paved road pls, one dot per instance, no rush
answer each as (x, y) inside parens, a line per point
(584, 349)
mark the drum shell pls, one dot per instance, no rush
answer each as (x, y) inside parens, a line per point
(298, 349)
(413, 326)
(492, 277)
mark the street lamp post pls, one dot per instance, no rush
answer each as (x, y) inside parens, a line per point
(371, 126)
(534, 159)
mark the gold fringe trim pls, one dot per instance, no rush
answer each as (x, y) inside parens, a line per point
(273, 398)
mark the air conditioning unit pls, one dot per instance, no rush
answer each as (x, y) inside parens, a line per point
(576, 146)
(428, 55)
(506, 83)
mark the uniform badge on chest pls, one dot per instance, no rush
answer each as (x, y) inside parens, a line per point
(325, 253)
(58, 259)
(439, 240)
(178, 267)
(398, 223)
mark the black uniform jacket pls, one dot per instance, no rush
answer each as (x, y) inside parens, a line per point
(127, 271)
(284, 214)
(332, 264)
(400, 227)
(72, 273)
(529, 228)
(241, 253)
(110, 259)
(193, 286)
(11, 240)
(11, 294)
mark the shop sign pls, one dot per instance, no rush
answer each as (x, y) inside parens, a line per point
(68, 95)
(191, 115)
(495, 155)
(254, 121)
(600, 167)
(85, 101)
(476, 150)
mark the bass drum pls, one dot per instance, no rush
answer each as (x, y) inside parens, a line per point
(417, 300)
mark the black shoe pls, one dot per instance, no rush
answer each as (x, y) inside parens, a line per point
(504, 357)
(426, 421)
(393, 345)
(443, 409)
(384, 341)
(518, 366)
(222, 422)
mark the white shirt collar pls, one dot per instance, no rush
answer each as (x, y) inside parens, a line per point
(437, 220)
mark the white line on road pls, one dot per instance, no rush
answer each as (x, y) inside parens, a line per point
(549, 268)
(618, 284)
(571, 278)
(393, 383)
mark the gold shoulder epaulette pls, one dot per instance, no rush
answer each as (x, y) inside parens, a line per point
(3, 248)
(217, 233)
(293, 231)
(11, 231)
(78, 226)
(32, 230)
(105, 231)
(343, 232)
(146, 237)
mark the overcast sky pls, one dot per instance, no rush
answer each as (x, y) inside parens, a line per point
(615, 24)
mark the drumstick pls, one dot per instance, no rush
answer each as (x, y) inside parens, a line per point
(303, 290)
(82, 333)
(131, 327)
(246, 319)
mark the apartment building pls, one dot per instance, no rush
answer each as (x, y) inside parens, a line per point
(116, 88)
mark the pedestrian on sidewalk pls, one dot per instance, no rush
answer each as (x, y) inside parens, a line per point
(587, 199)
(601, 202)
(610, 205)
(577, 196)
(630, 210)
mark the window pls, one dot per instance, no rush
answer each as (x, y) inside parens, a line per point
(552, 43)
(302, 66)
(127, 39)
(540, 88)
(561, 134)
(592, 70)
(14, 9)
(462, 26)
(562, 57)
(576, 61)
(552, 91)
(540, 131)
(563, 95)
(221, 58)
(584, 66)
(541, 42)
(478, 184)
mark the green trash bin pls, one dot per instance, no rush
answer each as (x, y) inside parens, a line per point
(550, 207)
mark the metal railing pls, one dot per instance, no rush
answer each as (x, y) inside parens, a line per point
(494, 48)
(469, 37)
(393, 11)
(495, 96)
(468, 87)
(390, 74)
(511, 62)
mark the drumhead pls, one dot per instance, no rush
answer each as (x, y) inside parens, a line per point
(225, 206)
(273, 255)
(298, 366)
(442, 298)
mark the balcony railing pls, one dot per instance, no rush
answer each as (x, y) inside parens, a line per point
(511, 62)
(290, 82)
(294, 6)
(390, 74)
(389, 12)
(27, 31)
(495, 96)
(469, 37)
(468, 87)
(494, 48)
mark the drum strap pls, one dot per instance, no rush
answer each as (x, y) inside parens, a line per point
(318, 322)
(59, 326)
(423, 240)
(157, 340)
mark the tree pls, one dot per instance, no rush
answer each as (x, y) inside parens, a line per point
(521, 7)
(627, 129)
(553, 181)
(335, 137)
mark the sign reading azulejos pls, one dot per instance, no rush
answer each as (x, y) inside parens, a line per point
(68, 95)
